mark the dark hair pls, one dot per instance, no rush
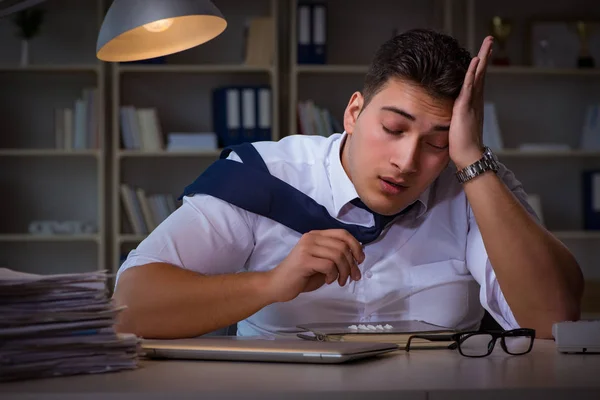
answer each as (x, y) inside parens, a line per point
(433, 60)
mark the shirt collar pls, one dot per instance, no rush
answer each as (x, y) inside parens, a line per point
(343, 190)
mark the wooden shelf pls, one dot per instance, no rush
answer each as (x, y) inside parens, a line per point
(493, 70)
(531, 70)
(575, 235)
(49, 153)
(206, 68)
(26, 237)
(168, 154)
(331, 69)
(52, 68)
(549, 153)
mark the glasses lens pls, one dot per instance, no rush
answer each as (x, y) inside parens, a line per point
(476, 345)
(517, 344)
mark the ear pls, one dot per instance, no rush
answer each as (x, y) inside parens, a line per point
(352, 112)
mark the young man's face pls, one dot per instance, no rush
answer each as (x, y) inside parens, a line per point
(396, 146)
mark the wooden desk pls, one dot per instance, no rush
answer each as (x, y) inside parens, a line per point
(420, 374)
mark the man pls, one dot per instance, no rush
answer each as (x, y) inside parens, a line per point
(454, 248)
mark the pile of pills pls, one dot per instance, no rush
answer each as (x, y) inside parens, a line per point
(362, 327)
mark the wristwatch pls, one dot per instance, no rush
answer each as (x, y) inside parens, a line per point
(487, 162)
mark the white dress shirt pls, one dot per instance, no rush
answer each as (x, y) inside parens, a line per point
(429, 265)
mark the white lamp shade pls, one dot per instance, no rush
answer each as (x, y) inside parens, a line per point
(141, 29)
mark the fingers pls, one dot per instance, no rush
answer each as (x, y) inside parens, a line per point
(466, 92)
(474, 78)
(484, 55)
(485, 48)
(342, 264)
(341, 249)
(331, 269)
(351, 242)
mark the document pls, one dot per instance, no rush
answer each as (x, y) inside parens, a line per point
(58, 325)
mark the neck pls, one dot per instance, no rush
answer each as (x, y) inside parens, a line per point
(344, 156)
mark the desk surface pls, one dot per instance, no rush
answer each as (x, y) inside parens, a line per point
(420, 374)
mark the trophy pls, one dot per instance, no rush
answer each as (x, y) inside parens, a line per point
(500, 30)
(585, 59)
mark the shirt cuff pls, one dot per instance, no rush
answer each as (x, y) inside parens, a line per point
(493, 300)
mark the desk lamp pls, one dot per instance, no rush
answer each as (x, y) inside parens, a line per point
(135, 30)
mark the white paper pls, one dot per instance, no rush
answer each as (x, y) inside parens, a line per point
(57, 325)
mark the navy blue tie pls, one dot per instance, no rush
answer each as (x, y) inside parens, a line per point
(250, 186)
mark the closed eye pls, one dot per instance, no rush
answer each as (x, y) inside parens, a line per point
(390, 131)
(438, 147)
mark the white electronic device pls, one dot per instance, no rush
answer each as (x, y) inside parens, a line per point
(577, 336)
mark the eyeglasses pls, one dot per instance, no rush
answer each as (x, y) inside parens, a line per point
(481, 343)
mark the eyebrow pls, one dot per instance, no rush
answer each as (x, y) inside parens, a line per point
(412, 117)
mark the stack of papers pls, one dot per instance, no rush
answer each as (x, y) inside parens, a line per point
(58, 325)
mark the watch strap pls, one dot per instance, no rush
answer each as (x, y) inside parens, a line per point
(486, 163)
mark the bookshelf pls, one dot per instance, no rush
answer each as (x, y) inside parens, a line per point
(44, 178)
(180, 90)
(47, 182)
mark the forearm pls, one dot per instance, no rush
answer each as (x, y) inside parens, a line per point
(540, 279)
(164, 301)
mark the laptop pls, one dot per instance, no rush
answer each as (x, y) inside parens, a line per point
(235, 348)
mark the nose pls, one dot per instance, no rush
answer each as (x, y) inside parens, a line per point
(405, 155)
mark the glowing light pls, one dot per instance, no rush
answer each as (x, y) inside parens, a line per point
(159, 26)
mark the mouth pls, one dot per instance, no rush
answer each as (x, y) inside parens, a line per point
(392, 186)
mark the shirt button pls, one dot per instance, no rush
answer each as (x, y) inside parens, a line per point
(368, 274)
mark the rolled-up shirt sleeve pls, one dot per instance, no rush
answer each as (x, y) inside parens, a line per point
(205, 234)
(478, 262)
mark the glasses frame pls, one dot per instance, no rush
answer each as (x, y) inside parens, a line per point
(460, 337)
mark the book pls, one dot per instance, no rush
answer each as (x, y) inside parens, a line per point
(397, 332)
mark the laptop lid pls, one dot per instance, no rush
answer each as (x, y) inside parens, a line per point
(234, 348)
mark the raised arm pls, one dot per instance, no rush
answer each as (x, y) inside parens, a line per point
(539, 278)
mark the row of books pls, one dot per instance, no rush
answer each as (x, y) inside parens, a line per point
(315, 120)
(140, 128)
(312, 33)
(242, 114)
(145, 212)
(77, 127)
